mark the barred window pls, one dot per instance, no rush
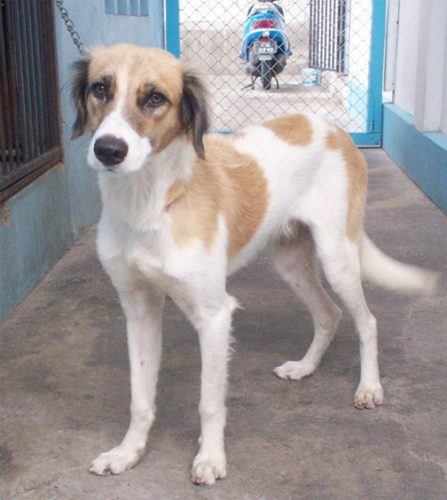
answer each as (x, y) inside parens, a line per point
(127, 7)
(328, 34)
(29, 124)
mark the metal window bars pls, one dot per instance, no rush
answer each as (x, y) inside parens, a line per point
(29, 125)
(328, 29)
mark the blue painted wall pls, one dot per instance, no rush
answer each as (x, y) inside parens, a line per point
(47, 216)
(37, 234)
(423, 156)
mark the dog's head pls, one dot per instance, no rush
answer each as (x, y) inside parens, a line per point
(136, 101)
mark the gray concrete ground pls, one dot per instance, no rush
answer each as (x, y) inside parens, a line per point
(65, 384)
(233, 106)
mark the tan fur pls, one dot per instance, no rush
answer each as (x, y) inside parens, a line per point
(194, 206)
(147, 67)
(227, 183)
(357, 171)
(96, 110)
(237, 135)
(296, 130)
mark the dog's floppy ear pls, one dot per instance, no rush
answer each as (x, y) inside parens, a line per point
(194, 110)
(79, 95)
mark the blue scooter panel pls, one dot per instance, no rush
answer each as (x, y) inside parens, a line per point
(253, 34)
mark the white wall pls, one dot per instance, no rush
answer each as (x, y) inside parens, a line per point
(232, 13)
(360, 40)
(417, 59)
(405, 79)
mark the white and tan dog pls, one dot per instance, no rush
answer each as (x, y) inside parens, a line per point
(182, 210)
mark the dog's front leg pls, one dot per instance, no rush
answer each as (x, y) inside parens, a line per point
(143, 309)
(214, 335)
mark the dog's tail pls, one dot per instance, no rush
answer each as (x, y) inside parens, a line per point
(380, 269)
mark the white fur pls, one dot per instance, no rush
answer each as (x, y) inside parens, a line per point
(385, 271)
(307, 185)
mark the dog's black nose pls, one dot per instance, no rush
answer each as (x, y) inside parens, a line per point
(110, 150)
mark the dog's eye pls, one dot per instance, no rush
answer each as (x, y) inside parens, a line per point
(155, 99)
(99, 90)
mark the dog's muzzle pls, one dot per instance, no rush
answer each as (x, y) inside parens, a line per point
(110, 150)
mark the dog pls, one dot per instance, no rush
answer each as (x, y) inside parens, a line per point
(182, 209)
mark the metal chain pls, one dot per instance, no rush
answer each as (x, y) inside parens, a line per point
(70, 26)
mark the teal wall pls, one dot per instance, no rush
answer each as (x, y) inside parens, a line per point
(35, 235)
(422, 156)
(40, 222)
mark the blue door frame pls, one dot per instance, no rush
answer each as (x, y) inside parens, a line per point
(373, 136)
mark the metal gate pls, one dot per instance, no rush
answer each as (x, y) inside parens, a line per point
(335, 67)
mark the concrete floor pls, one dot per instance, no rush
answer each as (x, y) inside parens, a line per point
(65, 385)
(233, 106)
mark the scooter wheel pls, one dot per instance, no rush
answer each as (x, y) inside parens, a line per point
(266, 75)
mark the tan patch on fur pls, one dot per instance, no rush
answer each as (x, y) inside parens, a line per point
(227, 183)
(194, 207)
(296, 130)
(97, 110)
(174, 192)
(237, 135)
(160, 124)
(357, 171)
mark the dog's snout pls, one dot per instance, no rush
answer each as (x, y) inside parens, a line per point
(110, 150)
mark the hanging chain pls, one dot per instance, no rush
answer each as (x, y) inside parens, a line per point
(70, 26)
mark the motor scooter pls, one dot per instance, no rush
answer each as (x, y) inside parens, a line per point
(265, 47)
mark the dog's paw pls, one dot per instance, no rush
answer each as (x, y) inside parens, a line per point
(294, 370)
(115, 461)
(207, 469)
(368, 397)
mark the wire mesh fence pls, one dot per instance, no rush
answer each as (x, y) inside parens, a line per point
(326, 71)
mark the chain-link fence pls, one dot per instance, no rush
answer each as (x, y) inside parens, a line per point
(327, 71)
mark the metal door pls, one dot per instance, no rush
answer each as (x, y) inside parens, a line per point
(339, 42)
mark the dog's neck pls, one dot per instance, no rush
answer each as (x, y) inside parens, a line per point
(140, 198)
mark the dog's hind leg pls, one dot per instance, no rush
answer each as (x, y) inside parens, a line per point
(295, 262)
(341, 263)
(143, 309)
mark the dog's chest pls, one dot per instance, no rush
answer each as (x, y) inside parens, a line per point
(148, 255)
(152, 257)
